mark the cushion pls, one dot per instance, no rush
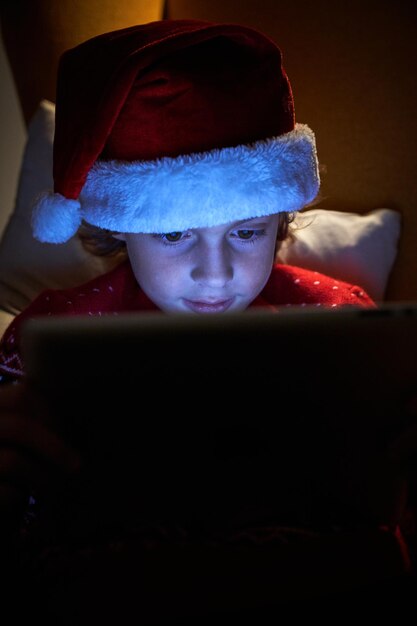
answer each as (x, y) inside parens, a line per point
(26, 265)
(5, 319)
(357, 248)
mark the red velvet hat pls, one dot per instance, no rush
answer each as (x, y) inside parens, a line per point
(174, 125)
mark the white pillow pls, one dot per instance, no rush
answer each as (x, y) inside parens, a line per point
(358, 248)
(26, 265)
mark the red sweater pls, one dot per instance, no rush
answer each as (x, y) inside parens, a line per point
(118, 292)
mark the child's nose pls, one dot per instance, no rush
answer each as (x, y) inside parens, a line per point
(213, 266)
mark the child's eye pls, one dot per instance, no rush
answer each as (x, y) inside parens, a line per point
(248, 234)
(176, 236)
(245, 233)
(173, 237)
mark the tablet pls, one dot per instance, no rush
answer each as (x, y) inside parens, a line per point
(239, 418)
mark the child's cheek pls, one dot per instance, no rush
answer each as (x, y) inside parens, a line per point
(255, 273)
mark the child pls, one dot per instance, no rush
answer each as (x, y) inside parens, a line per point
(178, 140)
(176, 148)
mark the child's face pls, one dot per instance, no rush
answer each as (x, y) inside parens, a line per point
(205, 270)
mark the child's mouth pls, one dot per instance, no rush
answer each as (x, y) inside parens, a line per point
(218, 306)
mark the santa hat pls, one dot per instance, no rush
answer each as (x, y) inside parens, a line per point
(174, 125)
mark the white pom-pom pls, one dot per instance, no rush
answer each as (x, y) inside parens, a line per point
(55, 219)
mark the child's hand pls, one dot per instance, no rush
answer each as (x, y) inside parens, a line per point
(33, 459)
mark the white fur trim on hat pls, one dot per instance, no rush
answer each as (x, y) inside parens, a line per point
(192, 191)
(55, 219)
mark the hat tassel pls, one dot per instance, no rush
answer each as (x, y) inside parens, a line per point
(55, 219)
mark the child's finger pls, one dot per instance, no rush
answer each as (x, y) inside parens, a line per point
(25, 472)
(13, 397)
(13, 502)
(34, 437)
